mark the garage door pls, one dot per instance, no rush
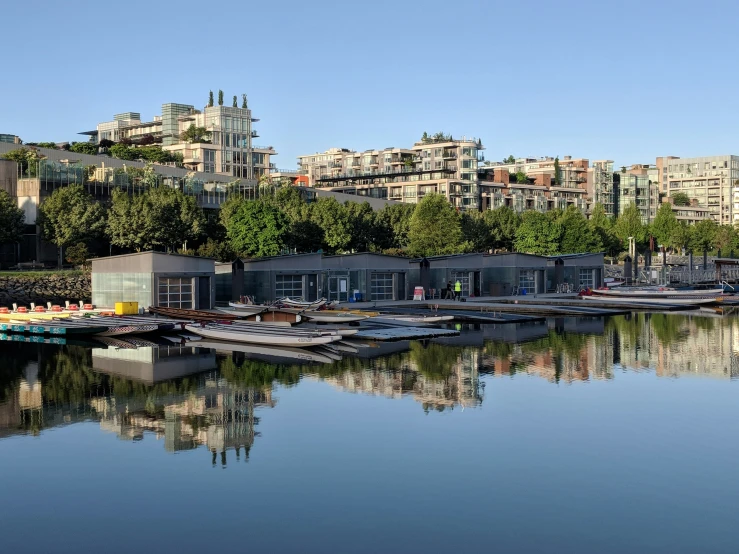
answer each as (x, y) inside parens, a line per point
(382, 286)
(175, 292)
(289, 285)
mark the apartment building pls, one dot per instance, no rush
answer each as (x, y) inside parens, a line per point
(600, 187)
(12, 139)
(444, 166)
(226, 149)
(534, 184)
(711, 181)
(638, 184)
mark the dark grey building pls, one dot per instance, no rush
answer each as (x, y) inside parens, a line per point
(313, 276)
(381, 277)
(154, 279)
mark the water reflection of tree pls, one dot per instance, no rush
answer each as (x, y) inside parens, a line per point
(434, 360)
(67, 375)
(15, 358)
(669, 328)
(258, 374)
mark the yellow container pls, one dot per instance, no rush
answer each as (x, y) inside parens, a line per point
(126, 308)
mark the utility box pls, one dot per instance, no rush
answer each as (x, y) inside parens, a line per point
(126, 308)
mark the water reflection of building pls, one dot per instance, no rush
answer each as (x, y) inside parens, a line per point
(215, 414)
(457, 385)
(204, 410)
(682, 345)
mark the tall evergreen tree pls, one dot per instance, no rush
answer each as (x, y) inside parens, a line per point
(220, 98)
(235, 102)
(210, 99)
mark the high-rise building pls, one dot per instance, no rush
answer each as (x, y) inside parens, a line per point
(638, 184)
(444, 166)
(600, 186)
(225, 148)
(711, 181)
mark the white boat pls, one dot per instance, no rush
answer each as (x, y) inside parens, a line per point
(652, 301)
(659, 292)
(302, 305)
(410, 320)
(328, 316)
(283, 352)
(270, 337)
(237, 308)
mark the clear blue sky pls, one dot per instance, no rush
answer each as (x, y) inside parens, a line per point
(626, 80)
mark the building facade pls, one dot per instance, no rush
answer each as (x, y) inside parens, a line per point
(711, 181)
(226, 149)
(638, 184)
(600, 186)
(444, 166)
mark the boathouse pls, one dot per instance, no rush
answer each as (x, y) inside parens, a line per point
(154, 279)
(368, 276)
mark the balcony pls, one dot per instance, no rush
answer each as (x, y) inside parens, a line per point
(450, 155)
(254, 134)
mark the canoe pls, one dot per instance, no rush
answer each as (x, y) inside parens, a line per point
(410, 320)
(281, 352)
(196, 315)
(302, 305)
(245, 308)
(329, 316)
(272, 337)
(658, 292)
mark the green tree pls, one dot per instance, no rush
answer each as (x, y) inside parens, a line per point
(51, 145)
(364, 227)
(70, 216)
(27, 159)
(220, 98)
(476, 233)
(160, 217)
(195, 134)
(394, 221)
(725, 238)
(333, 218)
(128, 223)
(435, 227)
(235, 102)
(664, 224)
(629, 224)
(680, 199)
(257, 229)
(680, 236)
(602, 224)
(210, 99)
(84, 148)
(557, 173)
(220, 251)
(503, 222)
(12, 219)
(521, 178)
(509, 160)
(77, 254)
(578, 235)
(539, 233)
(703, 235)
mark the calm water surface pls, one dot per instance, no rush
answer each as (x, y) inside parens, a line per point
(578, 435)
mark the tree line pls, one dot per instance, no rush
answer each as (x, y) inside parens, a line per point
(280, 221)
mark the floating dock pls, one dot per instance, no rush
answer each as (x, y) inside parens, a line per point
(51, 328)
(404, 333)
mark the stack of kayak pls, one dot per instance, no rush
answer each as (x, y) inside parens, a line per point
(268, 335)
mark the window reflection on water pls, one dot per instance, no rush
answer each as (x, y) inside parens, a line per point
(193, 397)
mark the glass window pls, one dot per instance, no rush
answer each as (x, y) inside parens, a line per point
(586, 278)
(527, 280)
(289, 285)
(175, 292)
(382, 286)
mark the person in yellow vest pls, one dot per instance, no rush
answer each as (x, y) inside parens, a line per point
(457, 290)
